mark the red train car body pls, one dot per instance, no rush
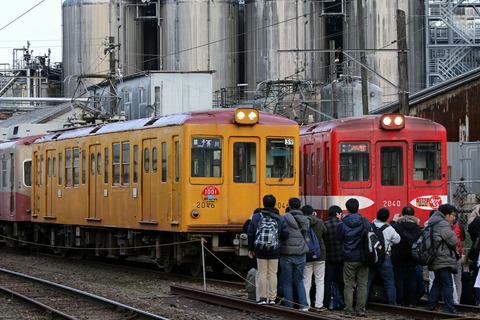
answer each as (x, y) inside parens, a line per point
(389, 165)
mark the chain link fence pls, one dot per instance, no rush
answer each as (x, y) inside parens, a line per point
(464, 195)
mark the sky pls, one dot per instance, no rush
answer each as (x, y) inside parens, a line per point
(37, 21)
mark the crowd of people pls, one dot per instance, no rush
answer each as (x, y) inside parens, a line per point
(338, 278)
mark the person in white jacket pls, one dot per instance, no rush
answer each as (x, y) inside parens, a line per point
(385, 269)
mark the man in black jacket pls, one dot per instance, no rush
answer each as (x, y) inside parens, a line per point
(408, 227)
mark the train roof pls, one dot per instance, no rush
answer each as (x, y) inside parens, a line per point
(210, 116)
(367, 122)
(18, 141)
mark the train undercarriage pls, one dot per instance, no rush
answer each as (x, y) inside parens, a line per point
(168, 250)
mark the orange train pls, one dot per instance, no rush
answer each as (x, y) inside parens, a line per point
(150, 187)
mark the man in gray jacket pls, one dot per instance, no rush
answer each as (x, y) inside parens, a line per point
(292, 255)
(445, 261)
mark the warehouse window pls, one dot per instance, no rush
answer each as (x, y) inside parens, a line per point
(125, 163)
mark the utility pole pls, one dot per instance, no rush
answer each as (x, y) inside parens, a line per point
(363, 56)
(402, 63)
(113, 63)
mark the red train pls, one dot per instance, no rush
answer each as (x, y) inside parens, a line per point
(381, 160)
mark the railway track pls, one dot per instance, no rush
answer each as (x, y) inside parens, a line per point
(65, 302)
(376, 310)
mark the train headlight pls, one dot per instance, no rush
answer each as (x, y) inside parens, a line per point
(195, 213)
(246, 116)
(392, 121)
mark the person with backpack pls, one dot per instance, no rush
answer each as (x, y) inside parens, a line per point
(408, 227)
(333, 298)
(315, 266)
(293, 256)
(355, 273)
(265, 232)
(388, 237)
(473, 227)
(444, 262)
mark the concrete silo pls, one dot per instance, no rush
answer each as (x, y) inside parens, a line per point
(88, 28)
(296, 28)
(201, 35)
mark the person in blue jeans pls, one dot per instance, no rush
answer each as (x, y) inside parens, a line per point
(385, 269)
(444, 261)
(292, 256)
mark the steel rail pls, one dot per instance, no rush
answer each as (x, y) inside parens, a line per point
(141, 313)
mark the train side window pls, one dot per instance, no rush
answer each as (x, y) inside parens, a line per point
(27, 173)
(427, 158)
(54, 160)
(177, 161)
(68, 167)
(146, 160)
(125, 163)
(60, 169)
(154, 159)
(4, 173)
(84, 166)
(279, 154)
(354, 161)
(76, 166)
(92, 164)
(116, 163)
(99, 165)
(244, 162)
(49, 167)
(391, 159)
(42, 169)
(164, 161)
(206, 155)
(135, 164)
(319, 167)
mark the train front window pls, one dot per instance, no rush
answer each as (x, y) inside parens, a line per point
(355, 161)
(244, 162)
(206, 155)
(280, 158)
(391, 160)
(427, 159)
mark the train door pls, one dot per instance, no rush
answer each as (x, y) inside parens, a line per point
(51, 183)
(309, 173)
(150, 180)
(174, 212)
(95, 192)
(244, 174)
(391, 186)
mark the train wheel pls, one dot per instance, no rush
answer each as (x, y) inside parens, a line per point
(10, 243)
(196, 266)
(168, 266)
(60, 251)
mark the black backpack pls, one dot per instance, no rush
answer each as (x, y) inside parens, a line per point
(423, 250)
(373, 244)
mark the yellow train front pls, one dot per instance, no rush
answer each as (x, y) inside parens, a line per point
(157, 186)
